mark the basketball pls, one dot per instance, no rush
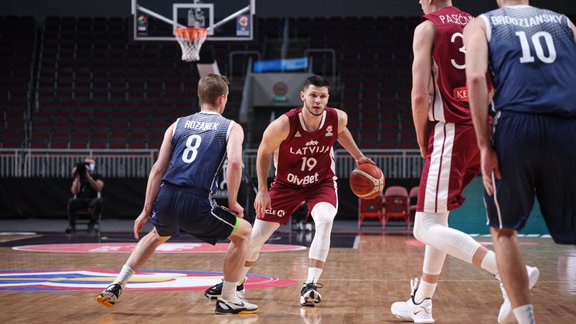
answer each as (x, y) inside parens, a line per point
(367, 181)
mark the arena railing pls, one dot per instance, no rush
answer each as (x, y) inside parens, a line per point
(119, 163)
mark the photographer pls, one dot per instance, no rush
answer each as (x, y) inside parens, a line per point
(86, 188)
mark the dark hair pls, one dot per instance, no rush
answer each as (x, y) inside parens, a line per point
(211, 87)
(316, 80)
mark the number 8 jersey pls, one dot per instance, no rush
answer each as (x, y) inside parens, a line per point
(198, 150)
(541, 77)
(307, 158)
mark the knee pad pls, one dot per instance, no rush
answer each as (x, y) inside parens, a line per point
(432, 229)
(323, 215)
(424, 221)
(261, 232)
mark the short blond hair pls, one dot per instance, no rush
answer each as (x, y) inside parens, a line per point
(211, 87)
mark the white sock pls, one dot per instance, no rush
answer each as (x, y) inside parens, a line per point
(425, 290)
(524, 314)
(229, 289)
(489, 263)
(125, 274)
(244, 273)
(313, 275)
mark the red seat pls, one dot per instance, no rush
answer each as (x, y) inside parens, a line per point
(396, 204)
(370, 208)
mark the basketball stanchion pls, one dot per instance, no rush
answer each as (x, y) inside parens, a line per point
(190, 40)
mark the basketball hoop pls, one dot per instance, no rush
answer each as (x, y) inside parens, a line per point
(190, 40)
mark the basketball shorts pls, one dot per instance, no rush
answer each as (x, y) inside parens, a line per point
(286, 199)
(537, 157)
(192, 211)
(452, 162)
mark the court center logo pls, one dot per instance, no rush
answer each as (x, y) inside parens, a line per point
(155, 280)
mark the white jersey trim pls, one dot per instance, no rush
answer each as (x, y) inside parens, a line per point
(301, 119)
(438, 181)
(488, 27)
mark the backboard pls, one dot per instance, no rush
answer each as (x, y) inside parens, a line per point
(226, 20)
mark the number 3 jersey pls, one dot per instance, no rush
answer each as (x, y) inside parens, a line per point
(450, 96)
(307, 158)
(198, 150)
(533, 59)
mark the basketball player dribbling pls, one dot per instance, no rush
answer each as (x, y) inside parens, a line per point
(302, 142)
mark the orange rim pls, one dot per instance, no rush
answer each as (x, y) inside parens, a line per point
(190, 32)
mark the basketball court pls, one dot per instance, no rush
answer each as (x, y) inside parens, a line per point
(55, 277)
(49, 276)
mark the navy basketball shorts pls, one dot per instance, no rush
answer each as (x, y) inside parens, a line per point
(537, 157)
(191, 210)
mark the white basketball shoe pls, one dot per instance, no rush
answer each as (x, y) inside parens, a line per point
(412, 311)
(506, 315)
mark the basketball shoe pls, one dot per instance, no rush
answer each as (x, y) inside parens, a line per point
(309, 295)
(410, 310)
(110, 295)
(235, 305)
(506, 315)
(216, 290)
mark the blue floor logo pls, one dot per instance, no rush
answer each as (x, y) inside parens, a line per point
(160, 280)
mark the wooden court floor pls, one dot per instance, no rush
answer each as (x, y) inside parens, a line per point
(359, 286)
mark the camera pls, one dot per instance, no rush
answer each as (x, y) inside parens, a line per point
(81, 168)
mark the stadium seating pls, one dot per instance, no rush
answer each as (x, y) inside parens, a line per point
(71, 78)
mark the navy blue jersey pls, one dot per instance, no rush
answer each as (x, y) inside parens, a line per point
(198, 150)
(533, 59)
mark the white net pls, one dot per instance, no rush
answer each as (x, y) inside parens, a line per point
(190, 40)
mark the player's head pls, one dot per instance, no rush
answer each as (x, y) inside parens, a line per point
(213, 90)
(502, 3)
(315, 80)
(432, 5)
(315, 94)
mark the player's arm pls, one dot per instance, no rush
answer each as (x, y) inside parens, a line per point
(234, 172)
(273, 136)
(571, 25)
(476, 44)
(347, 141)
(155, 178)
(421, 77)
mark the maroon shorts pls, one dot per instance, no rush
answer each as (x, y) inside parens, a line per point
(452, 162)
(286, 199)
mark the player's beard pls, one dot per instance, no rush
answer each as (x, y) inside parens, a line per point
(310, 110)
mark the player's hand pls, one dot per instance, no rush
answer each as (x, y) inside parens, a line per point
(237, 208)
(261, 203)
(364, 160)
(423, 151)
(489, 166)
(139, 223)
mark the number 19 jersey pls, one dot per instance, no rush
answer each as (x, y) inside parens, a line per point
(198, 150)
(306, 158)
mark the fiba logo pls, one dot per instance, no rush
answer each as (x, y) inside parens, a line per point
(243, 21)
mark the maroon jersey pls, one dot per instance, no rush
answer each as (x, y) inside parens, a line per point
(307, 158)
(450, 102)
